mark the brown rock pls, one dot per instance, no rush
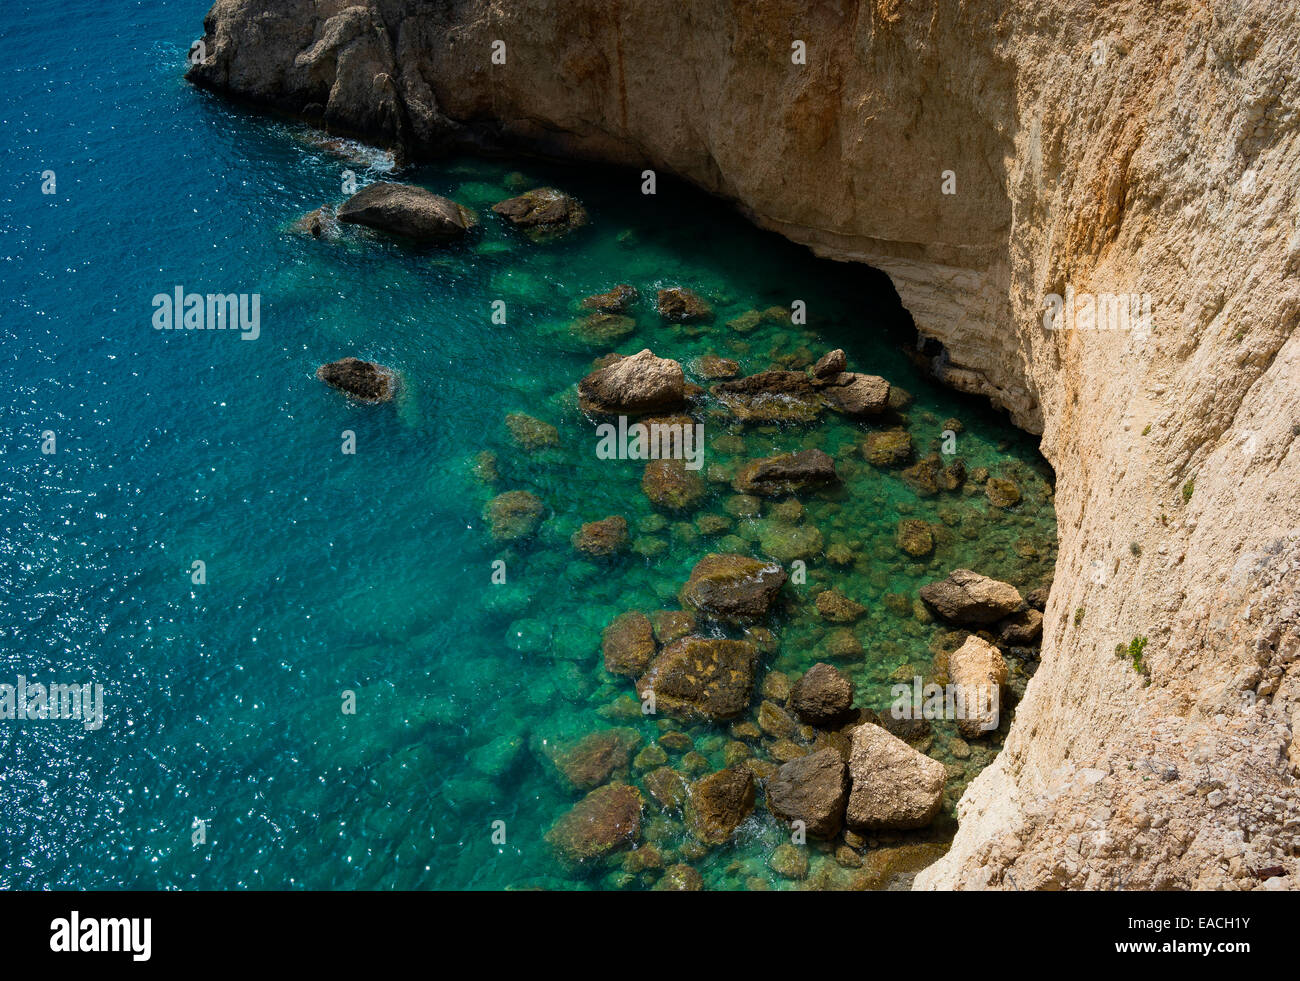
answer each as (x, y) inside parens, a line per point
(701, 677)
(634, 385)
(718, 803)
(786, 473)
(408, 211)
(966, 597)
(669, 484)
(823, 696)
(542, 213)
(978, 672)
(681, 305)
(628, 644)
(813, 789)
(592, 759)
(617, 300)
(831, 364)
(607, 819)
(514, 515)
(834, 606)
(363, 380)
(601, 538)
(892, 786)
(732, 587)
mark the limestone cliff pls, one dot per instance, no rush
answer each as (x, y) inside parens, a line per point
(1124, 148)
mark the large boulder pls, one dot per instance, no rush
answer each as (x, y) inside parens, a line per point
(363, 380)
(977, 672)
(734, 588)
(786, 473)
(718, 803)
(542, 213)
(823, 696)
(966, 597)
(892, 786)
(701, 677)
(889, 448)
(628, 644)
(812, 789)
(855, 394)
(606, 820)
(830, 364)
(634, 385)
(408, 211)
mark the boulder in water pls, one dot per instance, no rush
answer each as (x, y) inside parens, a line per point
(408, 211)
(363, 380)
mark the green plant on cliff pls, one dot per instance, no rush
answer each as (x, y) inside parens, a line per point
(1078, 616)
(1133, 652)
(1187, 490)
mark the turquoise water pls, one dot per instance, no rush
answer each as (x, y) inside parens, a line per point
(371, 572)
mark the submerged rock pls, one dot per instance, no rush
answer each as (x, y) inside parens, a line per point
(891, 448)
(786, 542)
(715, 368)
(789, 861)
(892, 786)
(514, 515)
(923, 476)
(813, 789)
(321, 223)
(823, 697)
(733, 587)
(978, 672)
(718, 803)
(682, 305)
(617, 300)
(670, 485)
(834, 606)
(680, 878)
(667, 788)
(408, 211)
(1002, 493)
(606, 820)
(363, 380)
(701, 677)
(966, 597)
(634, 385)
(543, 212)
(628, 644)
(531, 434)
(601, 538)
(914, 537)
(602, 329)
(771, 396)
(786, 473)
(592, 759)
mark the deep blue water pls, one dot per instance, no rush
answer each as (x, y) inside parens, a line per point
(328, 572)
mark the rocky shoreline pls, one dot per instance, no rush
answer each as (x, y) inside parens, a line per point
(1055, 189)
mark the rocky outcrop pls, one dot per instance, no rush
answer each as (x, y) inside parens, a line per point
(812, 789)
(823, 696)
(543, 213)
(786, 473)
(363, 380)
(634, 385)
(967, 597)
(701, 678)
(411, 212)
(1017, 152)
(893, 786)
(734, 588)
(978, 672)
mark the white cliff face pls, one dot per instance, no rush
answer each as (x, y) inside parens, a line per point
(1095, 149)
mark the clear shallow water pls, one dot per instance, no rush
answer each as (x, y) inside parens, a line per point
(369, 572)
